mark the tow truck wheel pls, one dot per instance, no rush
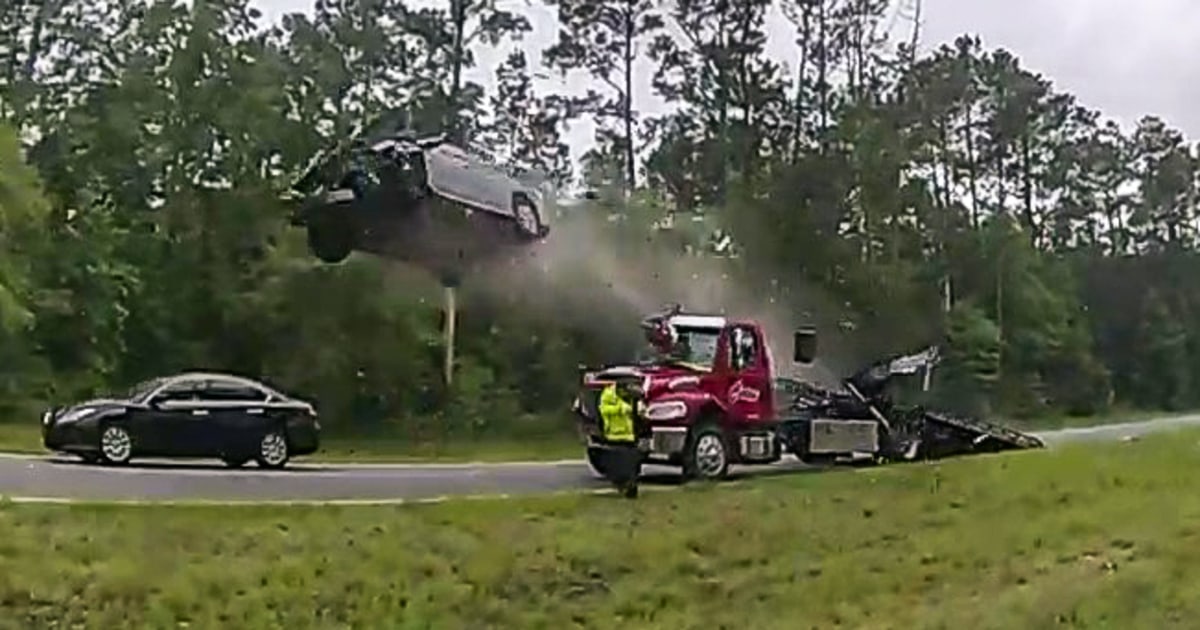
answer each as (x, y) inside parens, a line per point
(595, 459)
(707, 455)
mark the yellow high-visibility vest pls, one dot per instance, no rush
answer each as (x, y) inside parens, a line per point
(616, 416)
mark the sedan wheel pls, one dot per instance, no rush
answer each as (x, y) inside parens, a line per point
(331, 241)
(273, 450)
(116, 446)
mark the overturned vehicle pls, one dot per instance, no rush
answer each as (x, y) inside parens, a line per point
(708, 399)
(422, 200)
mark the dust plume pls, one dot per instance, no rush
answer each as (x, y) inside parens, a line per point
(605, 282)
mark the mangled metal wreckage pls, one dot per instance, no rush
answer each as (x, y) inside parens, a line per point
(709, 399)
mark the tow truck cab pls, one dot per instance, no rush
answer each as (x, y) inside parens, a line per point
(712, 387)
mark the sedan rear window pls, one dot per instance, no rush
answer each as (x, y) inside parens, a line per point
(230, 390)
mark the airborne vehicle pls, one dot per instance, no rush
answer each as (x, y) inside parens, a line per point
(710, 399)
(421, 199)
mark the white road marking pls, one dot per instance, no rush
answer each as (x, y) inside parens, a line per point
(309, 464)
(469, 469)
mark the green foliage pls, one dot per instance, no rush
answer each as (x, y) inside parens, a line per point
(897, 200)
(972, 357)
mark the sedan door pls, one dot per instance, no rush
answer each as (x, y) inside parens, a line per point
(169, 426)
(450, 174)
(241, 416)
(494, 185)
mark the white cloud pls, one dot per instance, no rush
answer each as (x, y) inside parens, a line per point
(1125, 59)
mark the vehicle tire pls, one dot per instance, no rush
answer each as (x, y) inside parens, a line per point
(330, 239)
(528, 220)
(706, 455)
(116, 445)
(234, 462)
(273, 450)
(596, 461)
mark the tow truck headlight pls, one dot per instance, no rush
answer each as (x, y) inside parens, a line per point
(670, 410)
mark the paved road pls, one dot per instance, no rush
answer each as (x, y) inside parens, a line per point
(60, 478)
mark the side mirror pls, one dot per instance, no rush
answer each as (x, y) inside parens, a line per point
(804, 345)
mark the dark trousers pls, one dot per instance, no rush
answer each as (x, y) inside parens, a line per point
(624, 466)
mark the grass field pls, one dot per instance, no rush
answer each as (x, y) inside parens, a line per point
(1102, 536)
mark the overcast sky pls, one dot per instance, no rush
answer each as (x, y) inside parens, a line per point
(1123, 61)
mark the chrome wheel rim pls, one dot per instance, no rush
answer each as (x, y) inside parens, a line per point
(273, 449)
(710, 455)
(526, 219)
(115, 444)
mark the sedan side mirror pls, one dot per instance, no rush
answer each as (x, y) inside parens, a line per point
(804, 345)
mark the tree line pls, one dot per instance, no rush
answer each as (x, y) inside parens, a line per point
(952, 197)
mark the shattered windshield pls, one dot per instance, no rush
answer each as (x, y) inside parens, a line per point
(697, 346)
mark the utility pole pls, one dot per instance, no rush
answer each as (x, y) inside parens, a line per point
(449, 291)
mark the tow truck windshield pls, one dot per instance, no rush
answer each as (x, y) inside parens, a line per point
(696, 346)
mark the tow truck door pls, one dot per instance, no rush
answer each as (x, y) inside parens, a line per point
(749, 395)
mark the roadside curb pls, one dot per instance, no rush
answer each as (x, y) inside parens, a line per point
(501, 496)
(322, 463)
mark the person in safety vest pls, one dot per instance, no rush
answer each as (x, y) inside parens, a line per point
(618, 417)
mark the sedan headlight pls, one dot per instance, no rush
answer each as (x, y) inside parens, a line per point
(46, 416)
(671, 410)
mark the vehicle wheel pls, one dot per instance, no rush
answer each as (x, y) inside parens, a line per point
(273, 450)
(596, 461)
(707, 455)
(116, 445)
(234, 462)
(330, 240)
(529, 222)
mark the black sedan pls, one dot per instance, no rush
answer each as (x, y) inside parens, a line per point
(187, 415)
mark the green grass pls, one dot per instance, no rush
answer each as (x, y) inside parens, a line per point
(1105, 536)
(396, 450)
(20, 437)
(1116, 416)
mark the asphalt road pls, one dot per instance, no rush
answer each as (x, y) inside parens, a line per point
(48, 478)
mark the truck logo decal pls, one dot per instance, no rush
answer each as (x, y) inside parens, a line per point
(683, 381)
(739, 392)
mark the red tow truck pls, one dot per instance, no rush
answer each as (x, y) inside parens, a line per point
(710, 398)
